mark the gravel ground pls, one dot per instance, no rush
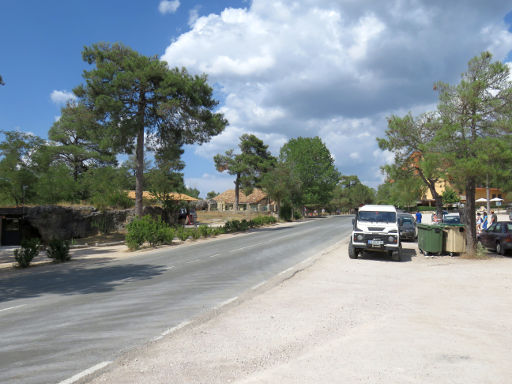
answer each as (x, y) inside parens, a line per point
(371, 320)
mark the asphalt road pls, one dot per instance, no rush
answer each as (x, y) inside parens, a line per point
(59, 321)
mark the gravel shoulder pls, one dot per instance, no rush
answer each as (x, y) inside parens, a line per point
(371, 320)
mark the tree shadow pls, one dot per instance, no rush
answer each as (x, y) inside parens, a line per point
(270, 229)
(74, 280)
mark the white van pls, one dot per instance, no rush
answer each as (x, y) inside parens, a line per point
(375, 229)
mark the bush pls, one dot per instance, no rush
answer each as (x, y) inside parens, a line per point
(195, 233)
(166, 235)
(285, 212)
(29, 249)
(147, 229)
(182, 234)
(204, 230)
(296, 215)
(58, 250)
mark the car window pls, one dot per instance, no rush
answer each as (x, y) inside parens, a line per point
(509, 227)
(491, 228)
(497, 228)
(406, 219)
(380, 217)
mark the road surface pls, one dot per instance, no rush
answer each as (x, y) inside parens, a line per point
(59, 320)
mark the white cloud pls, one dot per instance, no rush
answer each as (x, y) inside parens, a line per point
(334, 69)
(207, 182)
(62, 97)
(193, 15)
(168, 6)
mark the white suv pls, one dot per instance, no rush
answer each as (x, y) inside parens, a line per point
(375, 229)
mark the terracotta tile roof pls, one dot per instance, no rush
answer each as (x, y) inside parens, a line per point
(174, 196)
(229, 197)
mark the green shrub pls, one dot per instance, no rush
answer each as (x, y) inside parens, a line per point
(182, 234)
(58, 250)
(29, 249)
(148, 229)
(285, 212)
(195, 233)
(204, 230)
(166, 235)
(296, 215)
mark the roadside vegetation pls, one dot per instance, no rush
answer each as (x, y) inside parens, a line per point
(147, 230)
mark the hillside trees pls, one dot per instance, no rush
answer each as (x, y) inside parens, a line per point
(72, 140)
(249, 166)
(311, 164)
(350, 193)
(18, 174)
(142, 104)
(476, 129)
(411, 140)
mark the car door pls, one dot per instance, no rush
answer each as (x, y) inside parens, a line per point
(488, 237)
(498, 233)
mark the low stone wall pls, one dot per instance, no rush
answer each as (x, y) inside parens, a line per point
(64, 223)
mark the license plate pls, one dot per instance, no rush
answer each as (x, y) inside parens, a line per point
(375, 243)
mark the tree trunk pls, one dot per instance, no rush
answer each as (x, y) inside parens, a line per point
(139, 172)
(469, 218)
(237, 192)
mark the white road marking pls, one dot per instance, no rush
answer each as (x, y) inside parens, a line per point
(174, 329)
(87, 372)
(286, 271)
(17, 306)
(224, 303)
(170, 267)
(308, 259)
(259, 285)
(215, 255)
(192, 261)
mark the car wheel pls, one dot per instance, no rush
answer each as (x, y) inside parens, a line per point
(499, 249)
(352, 253)
(396, 255)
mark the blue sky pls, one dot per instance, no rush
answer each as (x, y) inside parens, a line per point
(329, 68)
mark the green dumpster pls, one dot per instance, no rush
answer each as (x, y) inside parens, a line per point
(454, 239)
(430, 239)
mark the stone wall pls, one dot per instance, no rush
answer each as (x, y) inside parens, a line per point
(56, 222)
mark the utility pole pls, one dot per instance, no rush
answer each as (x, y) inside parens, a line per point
(488, 196)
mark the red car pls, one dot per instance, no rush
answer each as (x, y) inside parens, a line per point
(498, 236)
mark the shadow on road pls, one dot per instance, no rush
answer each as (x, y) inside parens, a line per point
(74, 280)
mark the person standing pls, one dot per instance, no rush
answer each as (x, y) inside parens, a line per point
(484, 221)
(418, 217)
(478, 222)
(494, 218)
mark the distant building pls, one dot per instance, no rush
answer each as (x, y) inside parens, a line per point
(256, 201)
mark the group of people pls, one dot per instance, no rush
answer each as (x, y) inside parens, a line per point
(483, 221)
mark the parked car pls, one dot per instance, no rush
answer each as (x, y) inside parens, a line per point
(498, 237)
(451, 218)
(407, 226)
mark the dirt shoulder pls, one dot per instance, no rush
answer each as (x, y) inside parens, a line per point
(425, 320)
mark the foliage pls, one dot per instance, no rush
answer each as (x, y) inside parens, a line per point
(249, 166)
(192, 192)
(75, 142)
(55, 184)
(106, 186)
(310, 162)
(1, 80)
(211, 195)
(416, 157)
(450, 196)
(142, 104)
(104, 222)
(29, 249)
(243, 225)
(58, 250)
(350, 193)
(182, 234)
(282, 184)
(476, 117)
(18, 166)
(203, 230)
(147, 229)
(285, 212)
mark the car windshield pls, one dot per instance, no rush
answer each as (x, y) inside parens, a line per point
(379, 217)
(452, 219)
(407, 219)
